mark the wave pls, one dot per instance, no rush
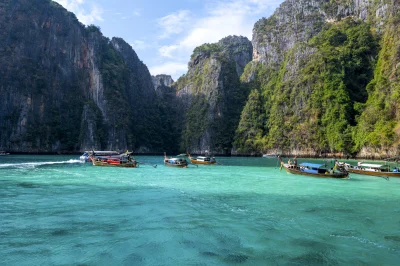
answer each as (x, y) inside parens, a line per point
(364, 241)
(36, 164)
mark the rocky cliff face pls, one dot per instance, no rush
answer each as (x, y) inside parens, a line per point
(320, 76)
(162, 80)
(298, 21)
(65, 87)
(377, 133)
(142, 101)
(304, 64)
(170, 108)
(211, 95)
(44, 77)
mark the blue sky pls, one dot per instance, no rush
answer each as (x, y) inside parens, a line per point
(164, 33)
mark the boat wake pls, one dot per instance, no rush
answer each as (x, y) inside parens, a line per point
(37, 164)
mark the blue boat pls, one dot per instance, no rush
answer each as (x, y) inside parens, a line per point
(313, 169)
(176, 162)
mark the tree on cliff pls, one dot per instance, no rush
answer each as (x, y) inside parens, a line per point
(250, 132)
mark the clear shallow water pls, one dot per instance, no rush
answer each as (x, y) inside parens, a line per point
(55, 210)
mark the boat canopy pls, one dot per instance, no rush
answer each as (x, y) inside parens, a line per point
(371, 165)
(312, 165)
(177, 159)
(102, 152)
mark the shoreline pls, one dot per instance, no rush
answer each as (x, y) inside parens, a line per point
(371, 158)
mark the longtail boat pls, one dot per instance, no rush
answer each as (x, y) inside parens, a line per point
(372, 169)
(85, 157)
(202, 160)
(121, 160)
(3, 153)
(175, 162)
(269, 155)
(312, 169)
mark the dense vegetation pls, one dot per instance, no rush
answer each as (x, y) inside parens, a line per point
(213, 95)
(249, 134)
(313, 100)
(378, 126)
(314, 87)
(134, 110)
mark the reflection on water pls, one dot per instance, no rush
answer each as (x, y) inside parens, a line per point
(55, 210)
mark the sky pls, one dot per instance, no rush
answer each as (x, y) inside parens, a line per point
(165, 33)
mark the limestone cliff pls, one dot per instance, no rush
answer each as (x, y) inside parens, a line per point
(312, 62)
(211, 95)
(377, 133)
(65, 87)
(319, 76)
(298, 21)
(169, 106)
(162, 80)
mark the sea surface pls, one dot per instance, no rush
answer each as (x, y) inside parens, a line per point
(55, 210)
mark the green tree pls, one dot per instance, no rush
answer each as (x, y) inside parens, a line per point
(249, 134)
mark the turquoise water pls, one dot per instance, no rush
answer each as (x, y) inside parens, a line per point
(57, 211)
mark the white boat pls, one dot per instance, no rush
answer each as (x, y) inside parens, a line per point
(269, 155)
(3, 153)
(85, 157)
(372, 169)
(202, 160)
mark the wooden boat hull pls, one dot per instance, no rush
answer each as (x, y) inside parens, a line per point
(132, 164)
(176, 165)
(194, 161)
(296, 171)
(372, 173)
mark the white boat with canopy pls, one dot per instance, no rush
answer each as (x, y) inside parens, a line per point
(85, 157)
(383, 170)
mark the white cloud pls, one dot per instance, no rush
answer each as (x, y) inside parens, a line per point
(173, 23)
(139, 45)
(235, 17)
(223, 18)
(167, 51)
(137, 12)
(84, 16)
(174, 69)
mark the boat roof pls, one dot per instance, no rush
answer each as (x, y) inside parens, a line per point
(113, 155)
(312, 165)
(371, 165)
(201, 157)
(103, 152)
